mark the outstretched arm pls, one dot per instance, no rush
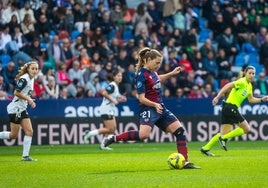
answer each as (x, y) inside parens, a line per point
(222, 92)
(253, 99)
(164, 77)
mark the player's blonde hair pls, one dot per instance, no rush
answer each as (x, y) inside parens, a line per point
(144, 55)
(24, 69)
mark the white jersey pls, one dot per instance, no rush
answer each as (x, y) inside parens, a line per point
(25, 85)
(106, 106)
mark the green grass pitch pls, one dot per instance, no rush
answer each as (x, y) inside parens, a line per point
(137, 165)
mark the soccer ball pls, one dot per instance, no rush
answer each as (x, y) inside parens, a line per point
(176, 161)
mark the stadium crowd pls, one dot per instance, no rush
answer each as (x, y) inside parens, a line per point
(79, 42)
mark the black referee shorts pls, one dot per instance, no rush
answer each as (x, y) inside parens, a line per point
(230, 114)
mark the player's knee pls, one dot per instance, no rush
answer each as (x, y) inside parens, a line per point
(179, 132)
(29, 133)
(111, 130)
(144, 136)
(246, 129)
(13, 136)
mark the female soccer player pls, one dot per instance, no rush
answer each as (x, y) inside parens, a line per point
(152, 109)
(241, 89)
(111, 97)
(17, 108)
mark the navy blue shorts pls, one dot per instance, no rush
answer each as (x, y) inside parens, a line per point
(149, 116)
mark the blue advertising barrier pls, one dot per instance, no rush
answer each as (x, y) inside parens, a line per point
(90, 108)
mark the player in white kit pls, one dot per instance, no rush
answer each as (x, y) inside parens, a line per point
(17, 108)
(111, 97)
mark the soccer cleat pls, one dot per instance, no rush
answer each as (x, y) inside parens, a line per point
(206, 152)
(102, 147)
(189, 165)
(28, 158)
(223, 143)
(86, 137)
(109, 140)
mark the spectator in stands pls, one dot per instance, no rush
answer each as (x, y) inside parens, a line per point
(186, 82)
(27, 27)
(107, 26)
(3, 85)
(105, 71)
(76, 46)
(207, 91)
(210, 64)
(9, 73)
(189, 38)
(117, 16)
(12, 24)
(122, 59)
(48, 72)
(34, 50)
(256, 25)
(207, 46)
(27, 10)
(154, 13)
(80, 21)
(72, 89)
(177, 35)
(228, 42)
(63, 93)
(184, 62)
(141, 20)
(191, 18)
(66, 46)
(162, 34)
(76, 72)
(198, 64)
(245, 33)
(62, 77)
(224, 65)
(9, 12)
(179, 21)
(86, 38)
(260, 37)
(169, 47)
(195, 93)
(114, 47)
(5, 37)
(3, 95)
(43, 28)
(218, 26)
(128, 80)
(261, 84)
(94, 84)
(19, 57)
(180, 93)
(52, 88)
(42, 10)
(55, 50)
(142, 35)
(263, 53)
(84, 59)
(39, 87)
(19, 37)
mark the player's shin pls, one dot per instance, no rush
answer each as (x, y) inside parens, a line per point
(181, 142)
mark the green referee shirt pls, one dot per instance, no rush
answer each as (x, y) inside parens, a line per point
(241, 90)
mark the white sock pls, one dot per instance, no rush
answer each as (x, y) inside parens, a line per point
(5, 135)
(93, 133)
(27, 141)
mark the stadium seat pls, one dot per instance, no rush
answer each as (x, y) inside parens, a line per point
(241, 59)
(5, 59)
(253, 59)
(74, 34)
(204, 34)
